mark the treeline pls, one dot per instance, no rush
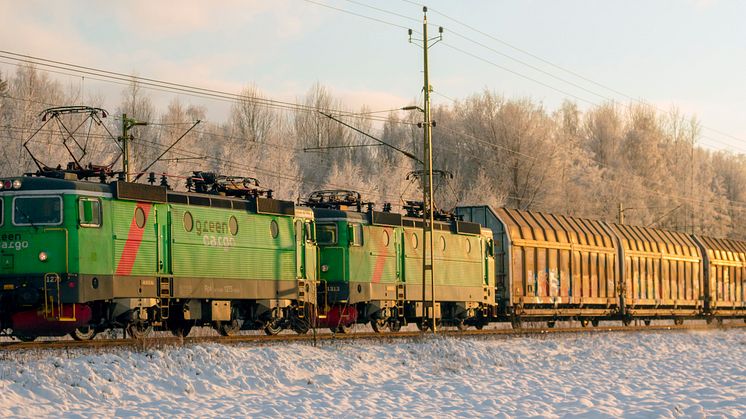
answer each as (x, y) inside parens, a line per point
(499, 151)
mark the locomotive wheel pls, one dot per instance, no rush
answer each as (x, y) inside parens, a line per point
(83, 333)
(342, 329)
(139, 330)
(594, 322)
(394, 325)
(460, 325)
(479, 325)
(228, 328)
(378, 325)
(300, 327)
(26, 338)
(678, 321)
(272, 327)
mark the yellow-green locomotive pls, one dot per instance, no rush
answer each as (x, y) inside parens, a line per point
(371, 266)
(79, 257)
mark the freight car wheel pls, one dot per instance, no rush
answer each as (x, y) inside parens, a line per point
(460, 325)
(272, 327)
(228, 328)
(26, 338)
(647, 322)
(551, 324)
(139, 330)
(423, 324)
(181, 329)
(678, 321)
(584, 323)
(83, 333)
(516, 323)
(378, 325)
(426, 324)
(594, 322)
(395, 325)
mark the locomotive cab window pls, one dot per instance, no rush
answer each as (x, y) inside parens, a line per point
(89, 212)
(326, 233)
(37, 210)
(356, 235)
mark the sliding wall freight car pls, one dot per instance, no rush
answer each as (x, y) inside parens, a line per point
(551, 267)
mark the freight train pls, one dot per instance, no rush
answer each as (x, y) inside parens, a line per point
(79, 257)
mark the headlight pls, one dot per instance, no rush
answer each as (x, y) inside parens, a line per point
(43, 256)
(324, 268)
(7, 184)
(17, 184)
(2, 185)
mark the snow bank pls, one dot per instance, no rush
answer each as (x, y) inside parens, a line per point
(608, 375)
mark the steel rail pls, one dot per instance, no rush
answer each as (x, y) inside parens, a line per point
(169, 341)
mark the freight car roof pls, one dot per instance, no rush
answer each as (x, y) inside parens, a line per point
(724, 252)
(645, 240)
(534, 226)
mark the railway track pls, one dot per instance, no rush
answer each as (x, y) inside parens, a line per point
(311, 338)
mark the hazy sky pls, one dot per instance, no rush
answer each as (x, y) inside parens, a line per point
(688, 53)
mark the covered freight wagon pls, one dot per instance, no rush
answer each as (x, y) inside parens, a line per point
(725, 276)
(662, 273)
(551, 267)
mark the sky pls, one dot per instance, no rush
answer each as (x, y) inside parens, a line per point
(688, 54)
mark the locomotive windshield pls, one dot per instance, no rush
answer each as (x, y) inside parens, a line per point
(37, 210)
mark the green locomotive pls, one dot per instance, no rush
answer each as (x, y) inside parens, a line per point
(80, 257)
(371, 266)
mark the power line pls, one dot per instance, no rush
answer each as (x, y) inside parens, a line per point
(355, 14)
(182, 88)
(556, 66)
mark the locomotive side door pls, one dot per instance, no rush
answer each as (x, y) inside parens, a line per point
(311, 253)
(163, 239)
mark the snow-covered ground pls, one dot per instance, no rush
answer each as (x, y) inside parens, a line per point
(693, 374)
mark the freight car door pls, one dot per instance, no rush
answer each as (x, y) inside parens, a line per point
(163, 237)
